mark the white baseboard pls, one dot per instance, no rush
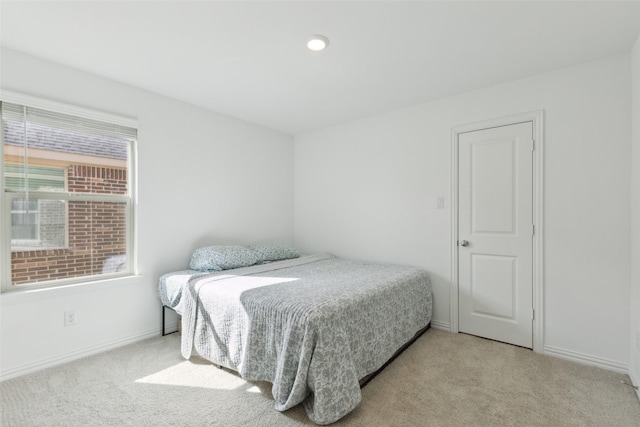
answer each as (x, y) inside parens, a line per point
(68, 357)
(635, 381)
(586, 359)
(437, 324)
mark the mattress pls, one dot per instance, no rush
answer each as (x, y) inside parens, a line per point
(170, 287)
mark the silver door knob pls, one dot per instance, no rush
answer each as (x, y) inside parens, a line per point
(464, 243)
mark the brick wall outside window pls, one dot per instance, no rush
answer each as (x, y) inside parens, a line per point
(96, 231)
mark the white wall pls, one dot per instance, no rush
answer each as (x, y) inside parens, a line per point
(203, 178)
(368, 190)
(634, 363)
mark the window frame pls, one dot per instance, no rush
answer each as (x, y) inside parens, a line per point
(38, 211)
(36, 225)
(130, 197)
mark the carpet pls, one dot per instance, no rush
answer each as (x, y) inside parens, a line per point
(443, 379)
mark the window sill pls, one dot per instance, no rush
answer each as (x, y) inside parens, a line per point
(25, 294)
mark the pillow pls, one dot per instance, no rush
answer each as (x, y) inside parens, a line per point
(218, 258)
(266, 252)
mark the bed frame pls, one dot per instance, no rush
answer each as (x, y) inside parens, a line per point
(364, 381)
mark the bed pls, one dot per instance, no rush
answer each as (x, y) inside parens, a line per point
(314, 326)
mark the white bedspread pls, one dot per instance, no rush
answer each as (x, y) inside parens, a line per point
(313, 326)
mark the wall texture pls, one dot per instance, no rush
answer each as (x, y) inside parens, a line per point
(368, 189)
(202, 178)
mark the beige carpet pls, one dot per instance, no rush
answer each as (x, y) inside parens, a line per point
(441, 380)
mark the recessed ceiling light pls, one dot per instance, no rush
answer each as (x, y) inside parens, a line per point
(317, 42)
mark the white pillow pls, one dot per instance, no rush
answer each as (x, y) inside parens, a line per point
(218, 258)
(266, 252)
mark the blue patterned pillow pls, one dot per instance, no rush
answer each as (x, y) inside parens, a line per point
(217, 258)
(266, 252)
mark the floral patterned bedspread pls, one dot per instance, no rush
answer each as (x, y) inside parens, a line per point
(312, 326)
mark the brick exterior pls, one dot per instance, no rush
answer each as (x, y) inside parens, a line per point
(96, 230)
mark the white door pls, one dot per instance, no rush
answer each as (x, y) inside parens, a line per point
(495, 233)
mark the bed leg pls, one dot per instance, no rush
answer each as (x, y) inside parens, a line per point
(163, 316)
(164, 328)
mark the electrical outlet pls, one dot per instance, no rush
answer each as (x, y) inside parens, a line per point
(70, 318)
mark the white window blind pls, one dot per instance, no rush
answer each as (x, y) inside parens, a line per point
(67, 189)
(39, 116)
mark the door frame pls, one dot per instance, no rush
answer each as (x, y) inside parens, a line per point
(536, 117)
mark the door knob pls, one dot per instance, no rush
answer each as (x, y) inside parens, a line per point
(464, 243)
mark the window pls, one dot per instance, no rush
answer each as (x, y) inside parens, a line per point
(67, 197)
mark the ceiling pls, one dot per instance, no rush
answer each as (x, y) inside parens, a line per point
(248, 59)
